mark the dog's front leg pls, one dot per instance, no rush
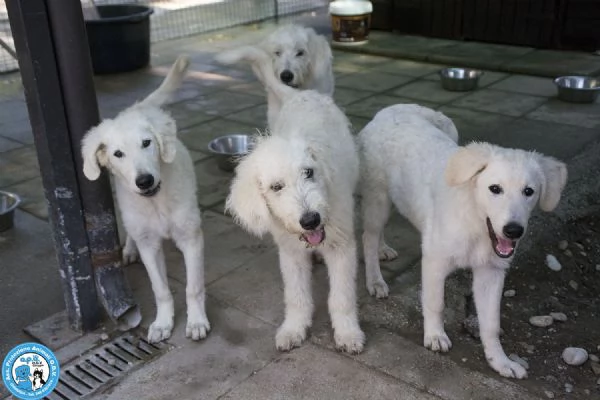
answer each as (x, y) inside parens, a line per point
(341, 263)
(487, 288)
(433, 277)
(192, 247)
(153, 258)
(296, 272)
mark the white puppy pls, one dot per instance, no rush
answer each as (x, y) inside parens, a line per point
(300, 58)
(156, 191)
(297, 184)
(471, 205)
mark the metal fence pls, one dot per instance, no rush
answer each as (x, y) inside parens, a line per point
(177, 18)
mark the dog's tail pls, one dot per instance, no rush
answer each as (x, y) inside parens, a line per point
(441, 121)
(261, 65)
(170, 84)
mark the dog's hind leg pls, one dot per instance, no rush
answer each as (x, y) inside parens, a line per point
(487, 289)
(342, 265)
(153, 258)
(192, 247)
(375, 213)
(433, 276)
(130, 251)
(296, 272)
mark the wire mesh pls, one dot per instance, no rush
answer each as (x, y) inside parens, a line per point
(177, 18)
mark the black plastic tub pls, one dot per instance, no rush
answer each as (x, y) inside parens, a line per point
(120, 39)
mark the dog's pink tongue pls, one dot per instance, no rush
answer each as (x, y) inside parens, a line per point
(314, 237)
(505, 246)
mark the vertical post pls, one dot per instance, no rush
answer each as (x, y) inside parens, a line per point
(41, 80)
(55, 64)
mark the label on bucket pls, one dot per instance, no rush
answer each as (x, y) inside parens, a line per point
(351, 28)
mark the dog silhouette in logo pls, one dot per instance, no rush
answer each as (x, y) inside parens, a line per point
(23, 373)
(38, 379)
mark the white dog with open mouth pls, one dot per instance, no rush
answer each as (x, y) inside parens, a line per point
(471, 205)
(156, 191)
(300, 58)
(297, 184)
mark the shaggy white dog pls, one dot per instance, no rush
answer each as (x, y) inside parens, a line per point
(299, 57)
(297, 184)
(156, 191)
(471, 205)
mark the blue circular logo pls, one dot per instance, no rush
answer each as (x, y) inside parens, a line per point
(30, 371)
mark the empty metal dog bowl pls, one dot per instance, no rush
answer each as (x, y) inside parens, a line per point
(577, 89)
(460, 79)
(8, 203)
(229, 149)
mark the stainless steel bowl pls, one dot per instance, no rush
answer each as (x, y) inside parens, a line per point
(577, 89)
(8, 203)
(460, 79)
(229, 149)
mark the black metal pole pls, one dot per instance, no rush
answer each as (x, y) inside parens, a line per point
(41, 80)
(75, 70)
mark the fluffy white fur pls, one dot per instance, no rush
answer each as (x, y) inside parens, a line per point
(411, 159)
(294, 50)
(139, 143)
(308, 165)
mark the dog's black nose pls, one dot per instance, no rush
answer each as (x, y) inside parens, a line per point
(310, 220)
(144, 181)
(512, 230)
(286, 76)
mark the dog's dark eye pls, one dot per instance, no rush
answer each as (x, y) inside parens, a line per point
(146, 143)
(528, 192)
(118, 154)
(277, 53)
(276, 187)
(308, 173)
(300, 53)
(496, 189)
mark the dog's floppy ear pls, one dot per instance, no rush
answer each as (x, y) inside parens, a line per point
(164, 130)
(320, 58)
(92, 153)
(245, 201)
(554, 179)
(466, 163)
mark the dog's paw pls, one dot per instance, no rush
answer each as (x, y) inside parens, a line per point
(386, 253)
(351, 341)
(437, 341)
(378, 289)
(508, 368)
(197, 330)
(159, 331)
(288, 338)
(130, 254)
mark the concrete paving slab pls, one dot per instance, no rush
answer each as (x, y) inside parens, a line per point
(429, 91)
(198, 136)
(295, 376)
(18, 165)
(527, 85)
(17, 128)
(511, 104)
(358, 123)
(363, 60)
(479, 55)
(226, 247)
(33, 197)
(584, 115)
(485, 80)
(213, 183)
(254, 116)
(31, 289)
(255, 88)
(372, 82)
(344, 96)
(187, 116)
(367, 108)
(553, 63)
(8, 144)
(236, 347)
(222, 103)
(408, 68)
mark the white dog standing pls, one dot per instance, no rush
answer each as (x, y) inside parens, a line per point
(297, 184)
(156, 191)
(471, 205)
(300, 59)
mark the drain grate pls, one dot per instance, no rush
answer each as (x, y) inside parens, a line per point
(104, 365)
